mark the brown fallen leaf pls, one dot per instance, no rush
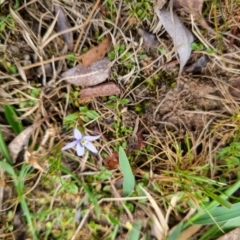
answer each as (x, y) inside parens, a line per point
(181, 36)
(111, 162)
(149, 40)
(88, 76)
(63, 24)
(96, 53)
(102, 90)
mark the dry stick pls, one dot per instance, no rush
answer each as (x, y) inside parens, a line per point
(85, 25)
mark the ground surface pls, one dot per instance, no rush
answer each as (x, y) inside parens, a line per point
(180, 132)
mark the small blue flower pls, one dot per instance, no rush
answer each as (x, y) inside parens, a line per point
(82, 142)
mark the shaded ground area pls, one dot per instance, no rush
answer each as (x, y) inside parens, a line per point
(180, 131)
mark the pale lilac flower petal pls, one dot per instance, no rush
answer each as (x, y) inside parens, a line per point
(70, 145)
(80, 150)
(91, 138)
(77, 134)
(91, 147)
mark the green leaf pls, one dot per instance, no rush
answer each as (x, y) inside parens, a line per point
(219, 214)
(124, 101)
(92, 114)
(4, 149)
(128, 177)
(71, 57)
(70, 117)
(176, 232)
(135, 231)
(83, 109)
(35, 92)
(12, 119)
(197, 46)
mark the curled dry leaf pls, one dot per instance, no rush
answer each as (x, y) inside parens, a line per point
(63, 24)
(19, 142)
(105, 89)
(149, 40)
(88, 76)
(181, 36)
(96, 53)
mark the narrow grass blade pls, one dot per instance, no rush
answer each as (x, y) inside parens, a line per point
(8, 168)
(135, 231)
(128, 177)
(20, 189)
(4, 149)
(12, 119)
(176, 232)
(219, 214)
(213, 204)
(220, 200)
(214, 232)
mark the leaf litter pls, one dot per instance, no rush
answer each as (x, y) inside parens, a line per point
(63, 24)
(96, 53)
(181, 36)
(102, 90)
(91, 75)
(191, 109)
(149, 40)
(21, 140)
(193, 7)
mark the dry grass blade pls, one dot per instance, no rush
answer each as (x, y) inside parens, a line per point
(158, 212)
(85, 25)
(22, 23)
(49, 31)
(88, 76)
